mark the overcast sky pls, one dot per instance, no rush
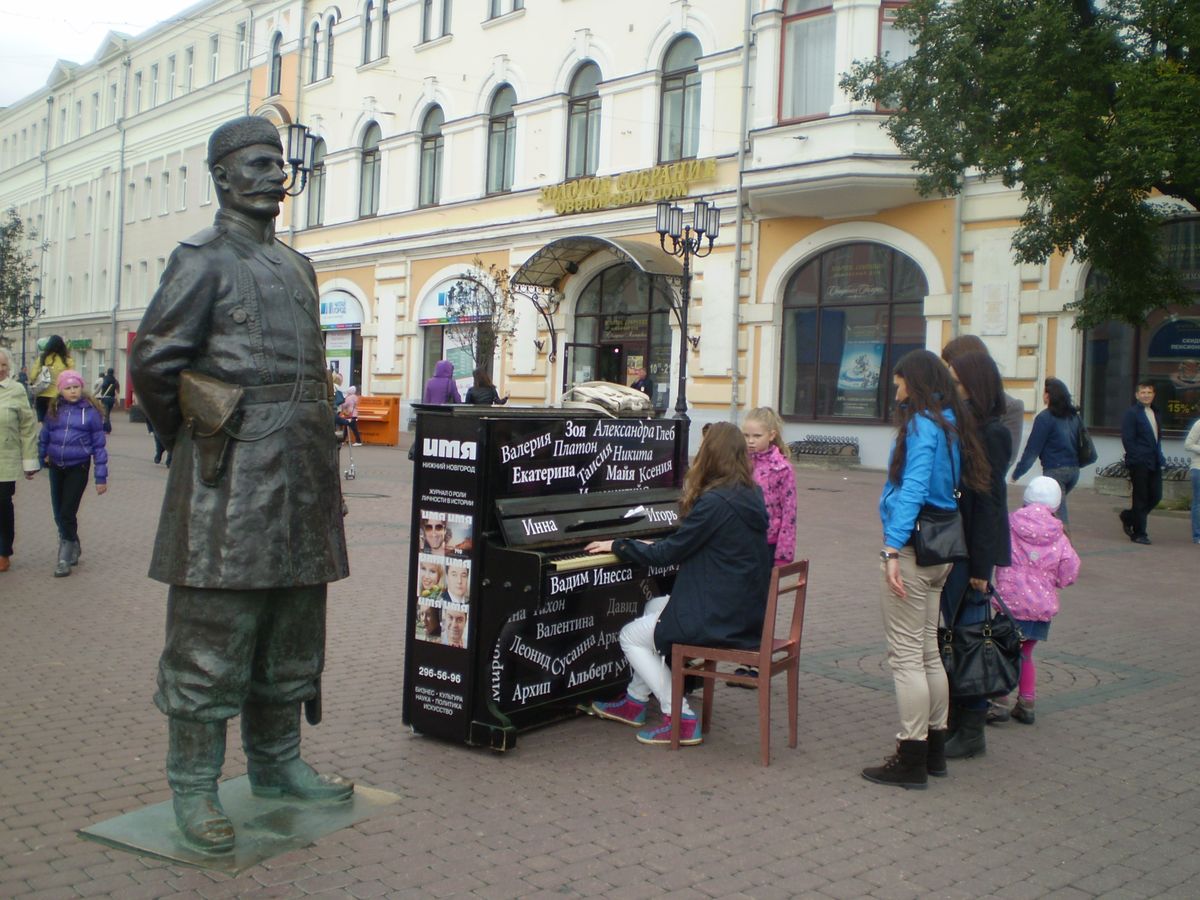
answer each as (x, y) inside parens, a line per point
(37, 33)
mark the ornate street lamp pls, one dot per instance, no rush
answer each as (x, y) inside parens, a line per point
(300, 146)
(687, 241)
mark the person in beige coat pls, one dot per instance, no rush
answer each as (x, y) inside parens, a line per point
(18, 449)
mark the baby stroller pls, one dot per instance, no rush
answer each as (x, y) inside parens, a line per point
(341, 434)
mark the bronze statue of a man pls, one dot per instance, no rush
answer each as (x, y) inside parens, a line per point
(229, 366)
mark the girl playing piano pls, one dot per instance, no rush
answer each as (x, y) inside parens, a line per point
(720, 592)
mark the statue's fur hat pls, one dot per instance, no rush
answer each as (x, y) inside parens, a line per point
(245, 131)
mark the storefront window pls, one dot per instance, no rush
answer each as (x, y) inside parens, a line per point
(849, 314)
(622, 323)
(1165, 350)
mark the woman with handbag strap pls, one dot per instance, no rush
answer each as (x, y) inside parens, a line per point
(1054, 442)
(985, 520)
(921, 471)
(57, 360)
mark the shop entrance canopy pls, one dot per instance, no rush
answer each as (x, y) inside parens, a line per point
(546, 268)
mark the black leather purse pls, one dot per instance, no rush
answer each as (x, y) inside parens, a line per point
(939, 537)
(984, 659)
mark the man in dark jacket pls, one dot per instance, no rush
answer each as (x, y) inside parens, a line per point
(1141, 436)
(229, 366)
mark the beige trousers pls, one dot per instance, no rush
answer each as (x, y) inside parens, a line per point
(910, 623)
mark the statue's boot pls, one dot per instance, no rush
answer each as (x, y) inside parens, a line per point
(195, 754)
(271, 737)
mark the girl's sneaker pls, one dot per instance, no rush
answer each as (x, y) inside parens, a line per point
(689, 732)
(1023, 712)
(627, 710)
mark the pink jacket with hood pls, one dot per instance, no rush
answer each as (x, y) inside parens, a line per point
(773, 473)
(1043, 561)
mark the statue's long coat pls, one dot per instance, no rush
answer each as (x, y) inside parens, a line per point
(246, 312)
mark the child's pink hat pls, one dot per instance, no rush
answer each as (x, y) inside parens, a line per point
(68, 378)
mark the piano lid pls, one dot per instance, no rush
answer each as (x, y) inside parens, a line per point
(562, 519)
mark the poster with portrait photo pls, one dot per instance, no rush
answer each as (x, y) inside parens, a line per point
(444, 534)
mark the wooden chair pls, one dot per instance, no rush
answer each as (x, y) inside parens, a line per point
(773, 656)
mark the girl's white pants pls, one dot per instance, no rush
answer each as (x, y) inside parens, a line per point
(651, 670)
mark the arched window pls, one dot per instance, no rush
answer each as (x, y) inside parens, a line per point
(384, 17)
(622, 323)
(368, 188)
(679, 134)
(430, 188)
(276, 64)
(502, 135)
(316, 186)
(1164, 349)
(583, 122)
(849, 314)
(329, 47)
(368, 24)
(314, 69)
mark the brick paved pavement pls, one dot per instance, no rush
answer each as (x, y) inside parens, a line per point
(1098, 799)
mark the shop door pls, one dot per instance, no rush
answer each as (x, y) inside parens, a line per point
(579, 363)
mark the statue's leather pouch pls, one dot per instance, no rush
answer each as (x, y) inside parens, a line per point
(208, 405)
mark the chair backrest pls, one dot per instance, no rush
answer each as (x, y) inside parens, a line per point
(791, 578)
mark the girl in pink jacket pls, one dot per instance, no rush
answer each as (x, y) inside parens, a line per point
(1043, 561)
(774, 474)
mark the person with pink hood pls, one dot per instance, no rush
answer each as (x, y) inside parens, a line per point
(1043, 561)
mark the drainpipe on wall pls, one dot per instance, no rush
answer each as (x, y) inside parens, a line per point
(299, 95)
(956, 262)
(45, 156)
(739, 200)
(120, 207)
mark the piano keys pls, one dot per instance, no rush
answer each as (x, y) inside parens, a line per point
(542, 618)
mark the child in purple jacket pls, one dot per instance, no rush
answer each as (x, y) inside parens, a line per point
(72, 435)
(1043, 561)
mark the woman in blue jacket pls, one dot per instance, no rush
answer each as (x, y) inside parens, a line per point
(925, 463)
(1054, 442)
(720, 593)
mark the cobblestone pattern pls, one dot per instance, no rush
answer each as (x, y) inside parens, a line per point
(1099, 799)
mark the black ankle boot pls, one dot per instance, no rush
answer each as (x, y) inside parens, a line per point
(935, 759)
(195, 754)
(905, 769)
(969, 740)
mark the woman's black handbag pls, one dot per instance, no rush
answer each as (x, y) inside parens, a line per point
(984, 659)
(1085, 448)
(939, 537)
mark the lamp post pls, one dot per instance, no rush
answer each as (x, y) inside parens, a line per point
(687, 241)
(300, 146)
(29, 308)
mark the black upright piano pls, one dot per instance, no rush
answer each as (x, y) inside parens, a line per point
(510, 624)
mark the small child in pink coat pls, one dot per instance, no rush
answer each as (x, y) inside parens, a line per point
(1043, 561)
(774, 474)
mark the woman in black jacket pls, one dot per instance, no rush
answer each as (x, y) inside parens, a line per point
(985, 520)
(483, 392)
(720, 593)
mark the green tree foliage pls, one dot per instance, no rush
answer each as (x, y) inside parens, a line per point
(1088, 107)
(479, 307)
(18, 274)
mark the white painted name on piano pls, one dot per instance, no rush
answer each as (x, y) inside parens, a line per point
(525, 448)
(566, 626)
(644, 431)
(565, 448)
(539, 526)
(522, 693)
(620, 454)
(668, 516)
(598, 577)
(548, 474)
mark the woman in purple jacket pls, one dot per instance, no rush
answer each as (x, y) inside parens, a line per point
(442, 388)
(72, 435)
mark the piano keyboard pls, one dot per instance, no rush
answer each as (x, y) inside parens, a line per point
(583, 561)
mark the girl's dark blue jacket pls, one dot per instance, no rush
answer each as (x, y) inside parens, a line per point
(1054, 440)
(720, 593)
(74, 435)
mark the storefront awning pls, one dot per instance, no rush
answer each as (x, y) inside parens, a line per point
(562, 257)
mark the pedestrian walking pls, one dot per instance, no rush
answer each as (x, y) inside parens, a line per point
(109, 389)
(72, 438)
(924, 466)
(985, 523)
(483, 392)
(53, 362)
(18, 450)
(720, 592)
(441, 388)
(1192, 444)
(1054, 442)
(1043, 561)
(1014, 408)
(1141, 436)
(347, 416)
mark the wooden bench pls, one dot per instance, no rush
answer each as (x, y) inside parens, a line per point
(379, 420)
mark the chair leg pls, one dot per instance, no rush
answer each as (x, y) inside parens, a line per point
(677, 667)
(793, 689)
(764, 714)
(709, 685)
